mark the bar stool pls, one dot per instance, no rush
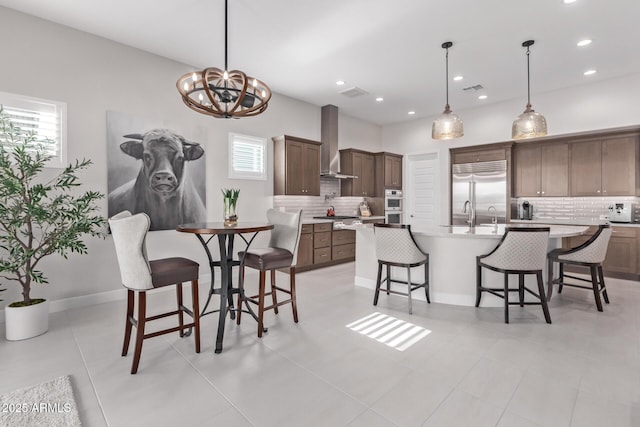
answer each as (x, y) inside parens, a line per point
(589, 254)
(396, 247)
(281, 253)
(521, 251)
(140, 275)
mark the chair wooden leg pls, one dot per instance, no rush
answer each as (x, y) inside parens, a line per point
(426, 280)
(478, 282)
(549, 278)
(521, 288)
(543, 299)
(506, 298)
(274, 298)
(603, 287)
(388, 278)
(129, 324)
(594, 283)
(261, 302)
(196, 313)
(292, 283)
(142, 317)
(180, 312)
(239, 314)
(409, 289)
(378, 283)
(560, 276)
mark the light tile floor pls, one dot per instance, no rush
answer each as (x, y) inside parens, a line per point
(471, 370)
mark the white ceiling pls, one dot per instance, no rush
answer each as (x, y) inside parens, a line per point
(389, 48)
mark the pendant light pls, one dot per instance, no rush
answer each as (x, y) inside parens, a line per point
(223, 93)
(529, 124)
(448, 125)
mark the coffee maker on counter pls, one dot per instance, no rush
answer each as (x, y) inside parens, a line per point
(526, 210)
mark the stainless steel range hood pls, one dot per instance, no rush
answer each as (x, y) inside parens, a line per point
(329, 155)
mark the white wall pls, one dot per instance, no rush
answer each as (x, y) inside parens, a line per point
(94, 75)
(607, 104)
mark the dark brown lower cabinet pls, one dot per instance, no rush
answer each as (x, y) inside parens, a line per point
(321, 246)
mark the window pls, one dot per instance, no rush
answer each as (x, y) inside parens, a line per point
(48, 119)
(247, 157)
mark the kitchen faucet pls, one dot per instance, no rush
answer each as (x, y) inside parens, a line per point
(494, 221)
(471, 212)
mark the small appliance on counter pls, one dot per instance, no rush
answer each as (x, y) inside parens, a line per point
(526, 210)
(365, 210)
(621, 212)
(331, 211)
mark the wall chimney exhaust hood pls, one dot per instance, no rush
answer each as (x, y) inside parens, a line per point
(329, 155)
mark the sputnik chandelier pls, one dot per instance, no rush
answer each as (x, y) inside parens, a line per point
(222, 93)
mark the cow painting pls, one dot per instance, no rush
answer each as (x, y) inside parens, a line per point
(162, 188)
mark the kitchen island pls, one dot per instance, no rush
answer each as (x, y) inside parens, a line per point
(452, 257)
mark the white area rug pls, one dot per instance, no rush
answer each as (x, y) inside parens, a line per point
(48, 404)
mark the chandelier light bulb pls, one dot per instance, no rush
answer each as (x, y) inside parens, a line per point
(185, 86)
(194, 77)
(255, 82)
(200, 97)
(225, 75)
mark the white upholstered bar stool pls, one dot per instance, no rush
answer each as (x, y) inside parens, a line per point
(282, 252)
(396, 247)
(140, 275)
(521, 251)
(590, 254)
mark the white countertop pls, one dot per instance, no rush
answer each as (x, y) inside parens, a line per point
(338, 221)
(574, 221)
(483, 232)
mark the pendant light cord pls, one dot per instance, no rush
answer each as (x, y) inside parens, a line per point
(226, 68)
(528, 81)
(447, 74)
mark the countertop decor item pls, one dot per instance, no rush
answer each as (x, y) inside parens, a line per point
(448, 125)
(529, 124)
(230, 196)
(39, 216)
(223, 93)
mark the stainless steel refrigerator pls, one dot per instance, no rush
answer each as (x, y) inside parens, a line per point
(475, 188)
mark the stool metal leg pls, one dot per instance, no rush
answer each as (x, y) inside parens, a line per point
(543, 299)
(409, 288)
(506, 298)
(603, 287)
(378, 283)
(594, 283)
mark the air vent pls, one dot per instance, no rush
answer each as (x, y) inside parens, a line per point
(354, 92)
(473, 88)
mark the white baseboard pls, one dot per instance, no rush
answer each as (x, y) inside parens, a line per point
(100, 298)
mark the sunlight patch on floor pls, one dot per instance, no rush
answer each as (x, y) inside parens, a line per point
(388, 330)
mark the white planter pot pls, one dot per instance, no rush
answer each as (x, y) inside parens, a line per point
(22, 323)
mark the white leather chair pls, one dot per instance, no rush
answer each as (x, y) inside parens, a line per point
(590, 254)
(521, 251)
(396, 247)
(281, 253)
(140, 275)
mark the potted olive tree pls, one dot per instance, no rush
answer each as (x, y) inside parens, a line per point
(39, 216)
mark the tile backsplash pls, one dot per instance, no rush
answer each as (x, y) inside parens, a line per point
(317, 205)
(567, 208)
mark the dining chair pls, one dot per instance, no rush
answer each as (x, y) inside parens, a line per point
(396, 247)
(281, 253)
(590, 254)
(139, 275)
(521, 251)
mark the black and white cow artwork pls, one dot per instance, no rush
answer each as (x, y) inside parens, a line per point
(162, 188)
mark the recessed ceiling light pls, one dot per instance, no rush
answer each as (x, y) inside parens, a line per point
(589, 72)
(339, 82)
(482, 97)
(379, 99)
(568, 1)
(411, 113)
(584, 42)
(458, 78)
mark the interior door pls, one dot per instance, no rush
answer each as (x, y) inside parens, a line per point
(420, 197)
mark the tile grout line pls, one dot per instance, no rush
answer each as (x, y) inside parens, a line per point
(86, 368)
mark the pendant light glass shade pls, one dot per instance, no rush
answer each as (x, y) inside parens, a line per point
(448, 125)
(529, 124)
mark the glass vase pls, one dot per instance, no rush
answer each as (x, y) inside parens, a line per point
(230, 213)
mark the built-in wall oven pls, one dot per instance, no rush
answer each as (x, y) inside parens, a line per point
(393, 206)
